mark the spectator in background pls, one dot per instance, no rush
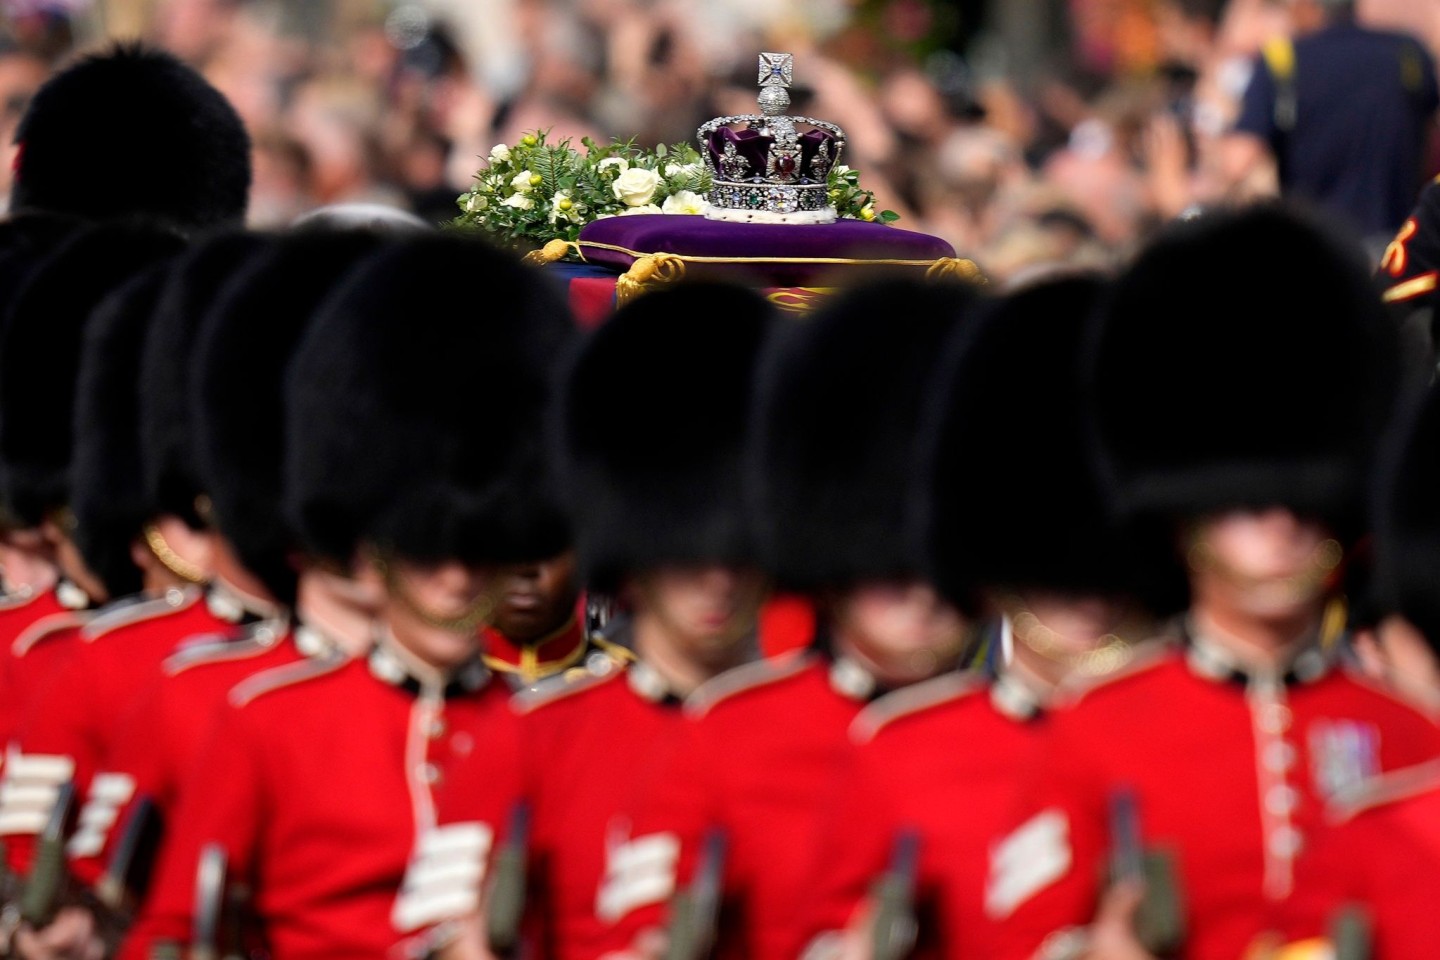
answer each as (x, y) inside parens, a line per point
(1345, 112)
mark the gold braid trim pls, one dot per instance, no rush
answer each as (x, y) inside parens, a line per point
(172, 561)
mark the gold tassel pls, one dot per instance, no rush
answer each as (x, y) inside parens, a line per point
(652, 271)
(552, 252)
(957, 268)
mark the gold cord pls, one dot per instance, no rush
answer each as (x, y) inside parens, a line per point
(172, 561)
(1110, 654)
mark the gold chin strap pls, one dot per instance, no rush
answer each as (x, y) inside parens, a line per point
(1111, 652)
(172, 561)
(1322, 562)
(479, 614)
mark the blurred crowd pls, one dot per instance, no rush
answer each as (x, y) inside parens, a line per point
(1021, 132)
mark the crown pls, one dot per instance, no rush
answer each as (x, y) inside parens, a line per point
(768, 171)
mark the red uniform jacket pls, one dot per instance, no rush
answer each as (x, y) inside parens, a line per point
(527, 666)
(1231, 773)
(761, 757)
(161, 736)
(31, 782)
(1381, 854)
(75, 714)
(322, 783)
(590, 744)
(938, 760)
(23, 621)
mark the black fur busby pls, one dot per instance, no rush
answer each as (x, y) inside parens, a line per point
(1245, 360)
(133, 132)
(652, 427)
(167, 432)
(1012, 496)
(415, 407)
(240, 358)
(107, 494)
(839, 408)
(1407, 521)
(40, 356)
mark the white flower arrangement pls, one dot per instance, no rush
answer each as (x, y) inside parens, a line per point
(532, 192)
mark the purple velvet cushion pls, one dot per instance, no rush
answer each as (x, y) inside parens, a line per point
(777, 254)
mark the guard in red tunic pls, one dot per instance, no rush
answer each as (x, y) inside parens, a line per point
(834, 480)
(1240, 374)
(656, 494)
(956, 743)
(326, 782)
(240, 355)
(134, 544)
(40, 367)
(1376, 862)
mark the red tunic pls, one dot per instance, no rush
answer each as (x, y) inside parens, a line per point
(75, 714)
(590, 745)
(937, 760)
(1382, 854)
(525, 665)
(31, 782)
(18, 615)
(323, 780)
(1231, 773)
(763, 754)
(161, 736)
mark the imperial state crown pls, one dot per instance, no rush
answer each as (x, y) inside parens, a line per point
(765, 169)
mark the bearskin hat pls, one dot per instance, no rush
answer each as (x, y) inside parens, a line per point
(1013, 499)
(107, 494)
(1245, 360)
(415, 407)
(128, 132)
(40, 356)
(838, 411)
(652, 427)
(242, 352)
(167, 433)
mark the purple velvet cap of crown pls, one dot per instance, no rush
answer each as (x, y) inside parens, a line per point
(754, 147)
(768, 250)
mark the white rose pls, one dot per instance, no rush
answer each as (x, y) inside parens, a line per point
(647, 208)
(476, 202)
(521, 181)
(564, 207)
(499, 153)
(519, 201)
(609, 162)
(636, 186)
(686, 201)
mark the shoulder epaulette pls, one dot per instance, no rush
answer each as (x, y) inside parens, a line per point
(18, 599)
(571, 683)
(1361, 679)
(747, 676)
(123, 614)
(278, 678)
(222, 648)
(1144, 658)
(908, 701)
(47, 626)
(1384, 789)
